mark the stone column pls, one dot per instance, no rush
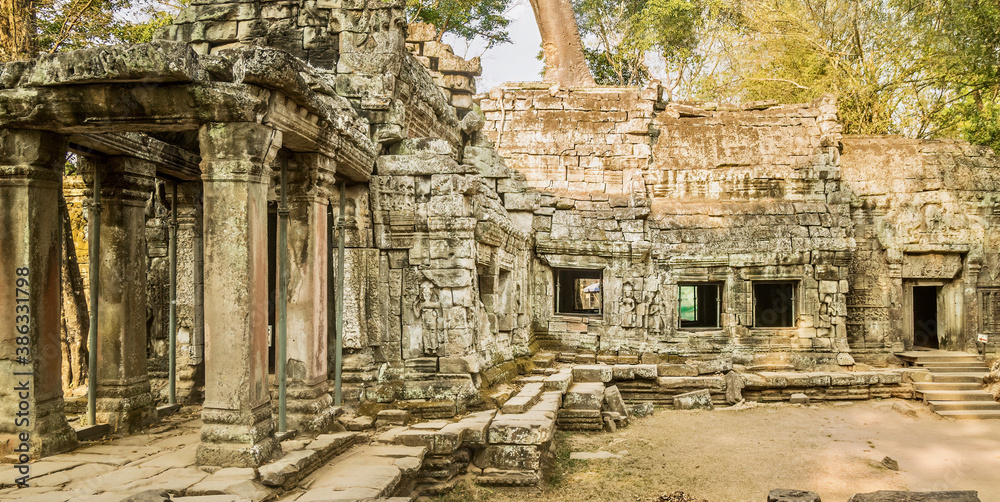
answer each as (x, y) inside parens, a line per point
(124, 400)
(309, 401)
(31, 398)
(190, 299)
(238, 428)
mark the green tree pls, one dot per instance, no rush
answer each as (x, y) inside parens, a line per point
(468, 19)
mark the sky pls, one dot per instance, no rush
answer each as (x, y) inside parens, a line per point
(514, 62)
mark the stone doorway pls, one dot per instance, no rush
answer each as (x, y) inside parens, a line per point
(925, 316)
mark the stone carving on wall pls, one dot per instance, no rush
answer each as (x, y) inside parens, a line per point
(932, 266)
(655, 322)
(430, 313)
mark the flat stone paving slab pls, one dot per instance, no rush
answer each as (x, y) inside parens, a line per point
(36, 470)
(232, 481)
(112, 479)
(171, 480)
(75, 476)
(178, 458)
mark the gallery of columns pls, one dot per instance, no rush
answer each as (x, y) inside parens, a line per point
(242, 156)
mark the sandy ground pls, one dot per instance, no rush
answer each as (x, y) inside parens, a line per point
(833, 449)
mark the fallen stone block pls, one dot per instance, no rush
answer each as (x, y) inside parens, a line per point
(785, 495)
(699, 399)
(897, 496)
(798, 398)
(584, 396)
(734, 387)
(592, 373)
(641, 410)
(505, 477)
(613, 401)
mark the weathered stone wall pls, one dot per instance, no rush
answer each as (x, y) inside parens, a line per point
(924, 214)
(453, 263)
(658, 194)
(455, 76)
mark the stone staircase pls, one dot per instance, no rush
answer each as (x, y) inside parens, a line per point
(956, 388)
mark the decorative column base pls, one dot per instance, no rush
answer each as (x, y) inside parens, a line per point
(126, 408)
(310, 409)
(234, 438)
(53, 434)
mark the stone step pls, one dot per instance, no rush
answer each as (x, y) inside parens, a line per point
(970, 358)
(943, 368)
(972, 414)
(954, 395)
(957, 378)
(939, 406)
(544, 359)
(295, 465)
(935, 386)
(365, 472)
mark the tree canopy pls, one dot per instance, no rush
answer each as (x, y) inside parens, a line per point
(29, 27)
(468, 19)
(920, 68)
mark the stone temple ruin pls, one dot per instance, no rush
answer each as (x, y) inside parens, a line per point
(654, 240)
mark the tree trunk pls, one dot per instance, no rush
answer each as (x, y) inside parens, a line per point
(76, 317)
(17, 30)
(564, 61)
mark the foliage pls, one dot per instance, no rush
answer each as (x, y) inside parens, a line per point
(75, 24)
(468, 19)
(920, 68)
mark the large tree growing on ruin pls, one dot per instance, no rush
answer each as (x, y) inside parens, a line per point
(565, 63)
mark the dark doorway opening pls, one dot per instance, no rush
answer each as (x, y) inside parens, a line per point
(925, 322)
(272, 284)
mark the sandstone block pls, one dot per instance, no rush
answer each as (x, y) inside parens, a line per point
(799, 398)
(699, 399)
(592, 373)
(633, 371)
(897, 496)
(785, 495)
(584, 396)
(613, 401)
(714, 366)
(676, 370)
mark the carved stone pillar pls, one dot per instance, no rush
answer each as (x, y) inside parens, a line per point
(190, 294)
(309, 401)
(124, 400)
(238, 428)
(31, 397)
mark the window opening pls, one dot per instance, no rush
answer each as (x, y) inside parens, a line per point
(699, 305)
(578, 291)
(774, 304)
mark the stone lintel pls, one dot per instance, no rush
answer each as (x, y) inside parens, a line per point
(113, 108)
(169, 159)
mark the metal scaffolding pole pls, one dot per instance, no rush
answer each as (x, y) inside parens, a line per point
(339, 366)
(282, 300)
(172, 252)
(95, 280)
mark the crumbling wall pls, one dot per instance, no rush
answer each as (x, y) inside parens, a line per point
(656, 194)
(924, 213)
(453, 263)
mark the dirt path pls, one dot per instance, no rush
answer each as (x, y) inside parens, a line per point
(740, 454)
